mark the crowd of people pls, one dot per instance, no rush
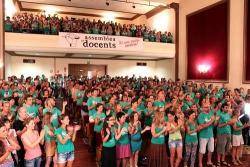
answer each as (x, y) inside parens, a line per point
(125, 121)
(42, 24)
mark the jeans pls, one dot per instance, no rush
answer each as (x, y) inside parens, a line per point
(36, 162)
(191, 149)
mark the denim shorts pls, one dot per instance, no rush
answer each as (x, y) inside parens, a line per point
(65, 157)
(175, 143)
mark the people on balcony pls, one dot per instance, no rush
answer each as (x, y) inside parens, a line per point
(52, 25)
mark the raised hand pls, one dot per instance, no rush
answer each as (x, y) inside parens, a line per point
(147, 128)
(77, 127)
(65, 103)
(108, 131)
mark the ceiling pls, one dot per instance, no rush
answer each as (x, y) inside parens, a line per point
(81, 56)
(121, 9)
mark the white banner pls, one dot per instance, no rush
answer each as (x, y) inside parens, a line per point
(93, 41)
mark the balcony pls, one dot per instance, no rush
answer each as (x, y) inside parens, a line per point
(51, 43)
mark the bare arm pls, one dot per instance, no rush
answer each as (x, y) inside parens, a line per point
(28, 143)
(105, 138)
(20, 132)
(190, 131)
(4, 156)
(154, 134)
(14, 144)
(61, 140)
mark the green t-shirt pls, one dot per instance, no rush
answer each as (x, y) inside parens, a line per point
(32, 111)
(152, 38)
(238, 125)
(124, 104)
(63, 148)
(54, 30)
(159, 104)
(55, 114)
(164, 38)
(224, 118)
(124, 137)
(8, 27)
(13, 110)
(196, 100)
(141, 107)
(35, 26)
(160, 139)
(186, 105)
(95, 31)
(20, 93)
(191, 138)
(93, 100)
(98, 127)
(79, 95)
(208, 131)
(47, 137)
(149, 118)
(111, 142)
(6, 94)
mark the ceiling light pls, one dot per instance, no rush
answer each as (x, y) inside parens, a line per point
(133, 5)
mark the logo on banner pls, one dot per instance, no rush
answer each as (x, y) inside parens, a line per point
(92, 41)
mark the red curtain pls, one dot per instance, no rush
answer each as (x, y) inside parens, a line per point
(207, 43)
(247, 44)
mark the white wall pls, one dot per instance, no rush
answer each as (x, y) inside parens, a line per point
(42, 66)
(165, 68)
(163, 21)
(114, 67)
(7, 64)
(236, 38)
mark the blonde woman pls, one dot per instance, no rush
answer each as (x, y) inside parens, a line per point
(157, 153)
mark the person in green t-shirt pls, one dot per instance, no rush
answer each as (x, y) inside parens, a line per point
(206, 138)
(187, 103)
(65, 136)
(191, 139)
(31, 109)
(109, 142)
(6, 92)
(223, 134)
(175, 142)
(56, 113)
(92, 102)
(237, 138)
(79, 95)
(164, 37)
(98, 117)
(149, 113)
(49, 138)
(158, 131)
(123, 150)
(160, 102)
(8, 25)
(133, 108)
(136, 132)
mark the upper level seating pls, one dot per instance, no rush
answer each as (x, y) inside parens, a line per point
(52, 25)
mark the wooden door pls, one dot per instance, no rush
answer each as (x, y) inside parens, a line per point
(79, 70)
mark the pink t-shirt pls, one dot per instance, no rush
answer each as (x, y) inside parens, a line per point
(31, 153)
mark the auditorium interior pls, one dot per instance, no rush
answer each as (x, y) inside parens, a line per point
(198, 44)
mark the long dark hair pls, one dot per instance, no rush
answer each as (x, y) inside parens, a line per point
(2, 148)
(106, 125)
